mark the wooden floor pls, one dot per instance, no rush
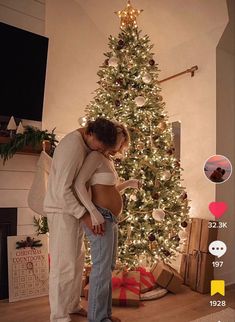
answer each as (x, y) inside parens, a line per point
(183, 307)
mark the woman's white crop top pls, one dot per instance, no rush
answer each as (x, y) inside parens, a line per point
(96, 169)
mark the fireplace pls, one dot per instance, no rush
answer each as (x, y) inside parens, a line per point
(8, 227)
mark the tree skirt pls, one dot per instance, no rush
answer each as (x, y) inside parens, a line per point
(154, 294)
(227, 315)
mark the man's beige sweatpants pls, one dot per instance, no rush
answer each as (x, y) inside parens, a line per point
(66, 265)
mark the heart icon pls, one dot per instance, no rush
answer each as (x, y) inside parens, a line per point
(218, 208)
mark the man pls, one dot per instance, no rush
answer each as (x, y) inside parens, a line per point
(64, 212)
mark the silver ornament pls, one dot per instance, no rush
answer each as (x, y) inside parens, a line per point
(82, 121)
(158, 214)
(147, 78)
(113, 62)
(140, 101)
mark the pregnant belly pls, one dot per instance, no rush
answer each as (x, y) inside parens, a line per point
(107, 197)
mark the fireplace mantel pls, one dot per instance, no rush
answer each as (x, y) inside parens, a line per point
(28, 150)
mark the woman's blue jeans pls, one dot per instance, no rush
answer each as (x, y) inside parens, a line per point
(103, 256)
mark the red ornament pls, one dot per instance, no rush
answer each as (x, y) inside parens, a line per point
(166, 253)
(177, 164)
(156, 195)
(184, 196)
(117, 103)
(121, 42)
(151, 237)
(120, 81)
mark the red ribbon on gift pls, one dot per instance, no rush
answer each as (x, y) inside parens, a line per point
(125, 283)
(143, 280)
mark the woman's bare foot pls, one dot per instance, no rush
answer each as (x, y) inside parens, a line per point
(114, 319)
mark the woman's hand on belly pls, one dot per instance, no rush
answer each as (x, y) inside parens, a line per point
(97, 230)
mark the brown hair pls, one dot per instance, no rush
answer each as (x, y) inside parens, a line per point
(104, 130)
(123, 132)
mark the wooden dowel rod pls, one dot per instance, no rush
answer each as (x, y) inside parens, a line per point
(190, 70)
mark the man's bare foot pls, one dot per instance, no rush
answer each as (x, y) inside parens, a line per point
(114, 319)
(81, 312)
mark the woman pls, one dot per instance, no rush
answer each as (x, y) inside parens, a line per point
(99, 173)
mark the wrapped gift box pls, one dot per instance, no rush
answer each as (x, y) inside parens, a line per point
(167, 277)
(147, 280)
(200, 236)
(126, 288)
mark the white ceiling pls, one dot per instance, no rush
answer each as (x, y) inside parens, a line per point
(189, 18)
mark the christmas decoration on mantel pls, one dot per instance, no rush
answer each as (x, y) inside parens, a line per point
(27, 139)
(129, 91)
(28, 242)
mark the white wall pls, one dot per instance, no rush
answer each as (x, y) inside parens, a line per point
(26, 14)
(16, 177)
(17, 174)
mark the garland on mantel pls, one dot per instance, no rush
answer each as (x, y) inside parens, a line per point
(31, 137)
(28, 242)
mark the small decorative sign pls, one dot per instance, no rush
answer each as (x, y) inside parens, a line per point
(28, 267)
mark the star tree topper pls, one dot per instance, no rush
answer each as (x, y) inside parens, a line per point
(128, 15)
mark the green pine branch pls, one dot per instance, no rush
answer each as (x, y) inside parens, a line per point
(32, 136)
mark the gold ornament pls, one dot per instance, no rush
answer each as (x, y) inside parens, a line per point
(166, 175)
(162, 126)
(128, 15)
(140, 146)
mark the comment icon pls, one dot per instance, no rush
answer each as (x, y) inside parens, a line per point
(217, 248)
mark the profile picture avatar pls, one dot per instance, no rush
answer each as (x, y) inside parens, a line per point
(218, 168)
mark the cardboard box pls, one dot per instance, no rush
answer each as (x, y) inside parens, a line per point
(126, 288)
(183, 267)
(200, 236)
(199, 271)
(196, 264)
(167, 277)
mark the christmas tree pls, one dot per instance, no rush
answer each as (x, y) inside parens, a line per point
(129, 92)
